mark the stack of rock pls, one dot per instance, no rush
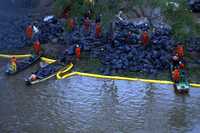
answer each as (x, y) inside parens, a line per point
(52, 31)
(12, 33)
(131, 55)
(86, 40)
(193, 44)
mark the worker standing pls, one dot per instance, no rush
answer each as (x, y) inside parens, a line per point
(78, 52)
(13, 64)
(37, 47)
(29, 32)
(71, 24)
(145, 38)
(98, 30)
(86, 24)
(176, 75)
(180, 51)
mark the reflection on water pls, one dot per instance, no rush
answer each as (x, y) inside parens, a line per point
(80, 104)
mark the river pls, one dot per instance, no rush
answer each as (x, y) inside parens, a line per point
(88, 105)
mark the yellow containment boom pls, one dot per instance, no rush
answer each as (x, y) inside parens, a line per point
(17, 56)
(58, 75)
(47, 60)
(118, 78)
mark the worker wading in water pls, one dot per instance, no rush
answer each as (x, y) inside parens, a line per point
(78, 52)
(37, 47)
(13, 64)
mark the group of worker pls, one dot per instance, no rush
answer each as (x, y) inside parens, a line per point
(144, 38)
(30, 32)
(178, 63)
(86, 24)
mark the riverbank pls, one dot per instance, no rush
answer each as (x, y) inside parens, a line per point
(91, 61)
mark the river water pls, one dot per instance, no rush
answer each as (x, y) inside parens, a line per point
(88, 105)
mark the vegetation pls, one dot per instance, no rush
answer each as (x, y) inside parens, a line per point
(180, 18)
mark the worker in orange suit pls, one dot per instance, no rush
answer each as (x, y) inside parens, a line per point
(176, 75)
(29, 31)
(71, 24)
(98, 30)
(180, 51)
(145, 38)
(13, 62)
(37, 47)
(78, 52)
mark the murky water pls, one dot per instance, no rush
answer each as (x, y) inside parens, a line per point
(88, 105)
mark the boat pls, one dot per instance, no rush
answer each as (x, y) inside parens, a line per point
(45, 73)
(183, 86)
(23, 64)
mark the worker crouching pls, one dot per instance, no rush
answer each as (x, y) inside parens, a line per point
(33, 77)
(13, 64)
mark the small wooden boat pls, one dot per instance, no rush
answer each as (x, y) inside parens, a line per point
(183, 86)
(23, 64)
(45, 73)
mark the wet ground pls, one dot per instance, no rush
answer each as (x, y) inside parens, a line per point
(87, 105)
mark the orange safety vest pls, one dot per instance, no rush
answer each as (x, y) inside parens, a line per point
(78, 52)
(176, 75)
(29, 31)
(37, 47)
(145, 38)
(98, 30)
(180, 51)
